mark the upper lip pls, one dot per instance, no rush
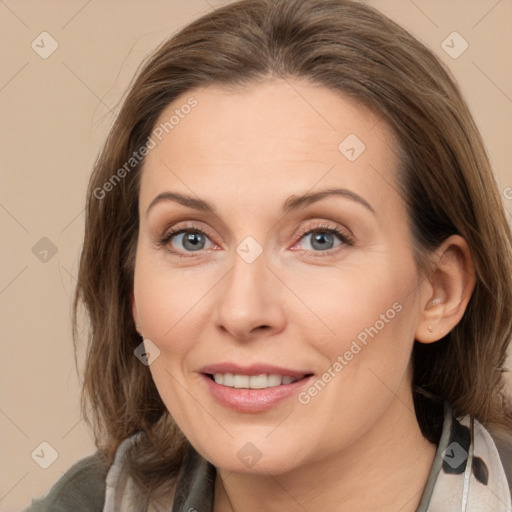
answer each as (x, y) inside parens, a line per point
(253, 369)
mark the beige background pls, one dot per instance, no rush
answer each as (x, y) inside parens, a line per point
(55, 112)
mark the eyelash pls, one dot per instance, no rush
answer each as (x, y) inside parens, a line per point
(191, 228)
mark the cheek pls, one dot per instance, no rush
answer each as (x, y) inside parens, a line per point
(170, 306)
(170, 303)
(366, 357)
(370, 302)
(369, 321)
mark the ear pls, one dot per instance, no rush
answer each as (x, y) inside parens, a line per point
(134, 312)
(446, 291)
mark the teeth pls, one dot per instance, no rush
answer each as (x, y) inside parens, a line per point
(262, 381)
(241, 381)
(258, 382)
(274, 380)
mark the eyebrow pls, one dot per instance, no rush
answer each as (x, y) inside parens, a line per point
(292, 203)
(296, 202)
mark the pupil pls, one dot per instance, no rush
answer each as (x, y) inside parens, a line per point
(321, 239)
(194, 239)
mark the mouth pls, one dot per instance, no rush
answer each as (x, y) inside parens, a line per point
(252, 389)
(261, 381)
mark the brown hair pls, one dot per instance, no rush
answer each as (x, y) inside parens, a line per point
(445, 177)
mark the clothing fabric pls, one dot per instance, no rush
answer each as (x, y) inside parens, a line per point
(80, 489)
(467, 475)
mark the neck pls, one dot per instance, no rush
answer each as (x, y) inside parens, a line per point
(386, 469)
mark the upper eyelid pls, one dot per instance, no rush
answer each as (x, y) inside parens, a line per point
(190, 225)
(319, 227)
(173, 232)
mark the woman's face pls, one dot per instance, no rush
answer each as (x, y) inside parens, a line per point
(272, 274)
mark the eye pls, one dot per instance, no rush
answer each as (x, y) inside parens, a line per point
(185, 240)
(323, 239)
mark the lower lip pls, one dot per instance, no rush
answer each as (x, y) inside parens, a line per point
(253, 400)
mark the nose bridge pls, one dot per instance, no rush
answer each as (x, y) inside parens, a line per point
(246, 283)
(249, 297)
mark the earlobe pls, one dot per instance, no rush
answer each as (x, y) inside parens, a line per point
(451, 285)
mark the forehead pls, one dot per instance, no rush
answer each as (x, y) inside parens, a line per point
(255, 138)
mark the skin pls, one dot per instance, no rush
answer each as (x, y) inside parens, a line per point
(356, 445)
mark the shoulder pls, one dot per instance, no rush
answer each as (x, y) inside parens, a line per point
(82, 488)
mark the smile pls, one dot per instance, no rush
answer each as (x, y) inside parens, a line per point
(262, 381)
(253, 393)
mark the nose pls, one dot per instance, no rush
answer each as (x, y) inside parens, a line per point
(250, 300)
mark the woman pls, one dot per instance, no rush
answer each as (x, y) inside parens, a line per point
(298, 273)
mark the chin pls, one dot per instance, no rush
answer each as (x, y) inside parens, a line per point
(250, 460)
